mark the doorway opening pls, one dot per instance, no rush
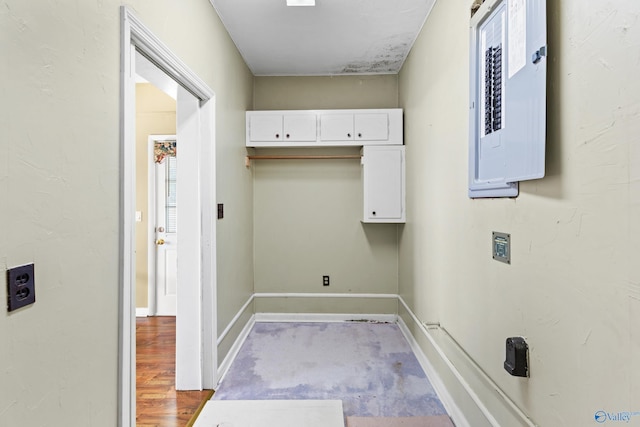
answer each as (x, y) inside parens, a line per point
(196, 357)
(162, 230)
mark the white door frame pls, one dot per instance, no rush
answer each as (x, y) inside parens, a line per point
(201, 324)
(152, 289)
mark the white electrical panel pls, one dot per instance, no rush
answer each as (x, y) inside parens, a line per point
(507, 119)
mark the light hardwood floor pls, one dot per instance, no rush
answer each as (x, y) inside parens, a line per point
(157, 401)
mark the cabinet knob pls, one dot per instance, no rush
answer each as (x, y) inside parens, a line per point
(277, 135)
(287, 135)
(373, 213)
(359, 135)
(348, 135)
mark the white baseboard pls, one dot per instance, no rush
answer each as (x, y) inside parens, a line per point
(322, 295)
(233, 321)
(142, 312)
(325, 317)
(484, 403)
(438, 385)
(233, 351)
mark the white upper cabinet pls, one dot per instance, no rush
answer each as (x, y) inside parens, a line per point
(274, 127)
(336, 127)
(372, 127)
(354, 127)
(265, 127)
(300, 127)
(324, 128)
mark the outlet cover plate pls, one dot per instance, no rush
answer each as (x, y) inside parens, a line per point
(21, 289)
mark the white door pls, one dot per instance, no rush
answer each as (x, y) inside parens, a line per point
(166, 236)
(194, 219)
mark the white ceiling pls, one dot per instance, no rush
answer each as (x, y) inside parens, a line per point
(333, 37)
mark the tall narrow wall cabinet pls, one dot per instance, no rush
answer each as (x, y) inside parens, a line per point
(383, 180)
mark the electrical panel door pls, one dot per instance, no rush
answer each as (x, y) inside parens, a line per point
(507, 96)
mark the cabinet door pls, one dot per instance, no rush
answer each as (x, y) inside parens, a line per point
(265, 127)
(336, 127)
(300, 127)
(372, 127)
(384, 182)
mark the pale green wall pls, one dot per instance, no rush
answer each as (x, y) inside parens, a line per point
(573, 288)
(304, 93)
(307, 212)
(59, 186)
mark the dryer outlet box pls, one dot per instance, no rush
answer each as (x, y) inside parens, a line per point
(517, 357)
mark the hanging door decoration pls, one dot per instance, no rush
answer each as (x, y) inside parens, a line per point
(163, 149)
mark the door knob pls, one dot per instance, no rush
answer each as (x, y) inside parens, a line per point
(160, 242)
(160, 229)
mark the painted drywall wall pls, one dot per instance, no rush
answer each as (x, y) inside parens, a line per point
(59, 167)
(573, 287)
(155, 115)
(303, 93)
(308, 212)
